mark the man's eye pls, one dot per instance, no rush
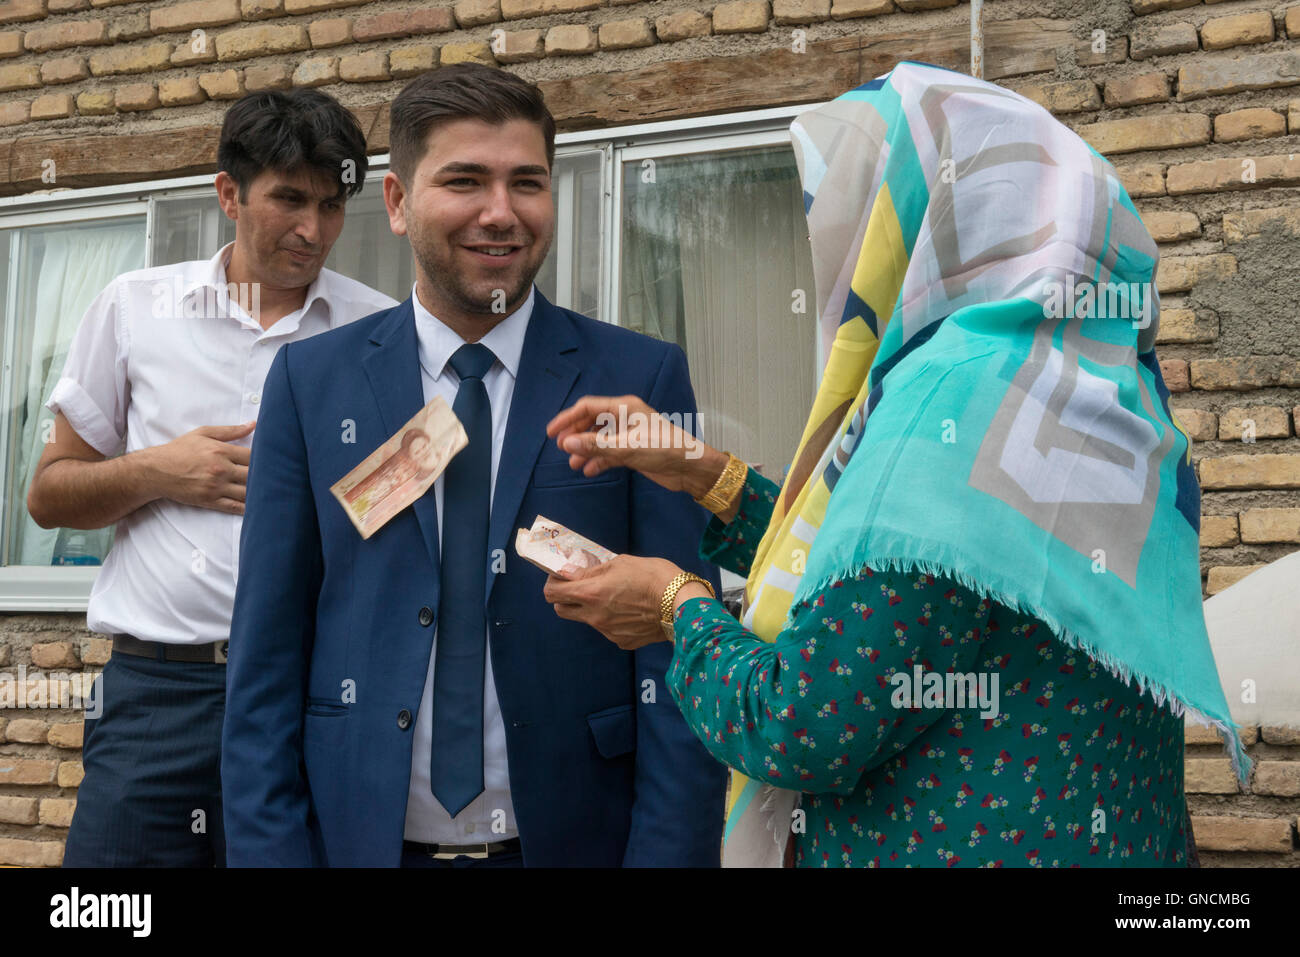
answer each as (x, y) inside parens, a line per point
(462, 181)
(531, 184)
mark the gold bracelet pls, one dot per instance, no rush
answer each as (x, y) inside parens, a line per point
(670, 596)
(723, 494)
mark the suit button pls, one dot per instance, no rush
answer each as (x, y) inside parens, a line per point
(403, 719)
(426, 616)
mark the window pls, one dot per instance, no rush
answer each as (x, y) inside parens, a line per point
(51, 266)
(714, 254)
(691, 231)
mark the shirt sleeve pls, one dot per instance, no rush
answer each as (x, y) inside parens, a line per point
(816, 708)
(732, 545)
(93, 391)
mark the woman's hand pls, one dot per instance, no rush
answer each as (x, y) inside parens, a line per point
(620, 598)
(604, 432)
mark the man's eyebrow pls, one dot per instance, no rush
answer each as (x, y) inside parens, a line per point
(481, 170)
(295, 194)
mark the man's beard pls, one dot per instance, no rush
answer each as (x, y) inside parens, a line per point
(450, 287)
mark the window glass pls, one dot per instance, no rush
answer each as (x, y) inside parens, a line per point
(50, 276)
(367, 250)
(715, 257)
(570, 277)
(188, 228)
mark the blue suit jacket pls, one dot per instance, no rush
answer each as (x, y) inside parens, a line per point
(603, 770)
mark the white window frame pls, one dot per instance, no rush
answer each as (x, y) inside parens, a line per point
(30, 588)
(40, 587)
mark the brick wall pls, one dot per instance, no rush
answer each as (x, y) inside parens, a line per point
(1197, 104)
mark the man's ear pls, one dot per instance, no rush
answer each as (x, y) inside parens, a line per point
(227, 195)
(394, 196)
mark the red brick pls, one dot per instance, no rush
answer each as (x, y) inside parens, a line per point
(20, 853)
(1174, 372)
(55, 654)
(1219, 76)
(26, 771)
(196, 14)
(1248, 124)
(1238, 30)
(1259, 470)
(16, 11)
(58, 36)
(1219, 833)
(1240, 373)
(1137, 90)
(17, 810)
(788, 12)
(1209, 776)
(330, 33)
(403, 23)
(1218, 531)
(1161, 131)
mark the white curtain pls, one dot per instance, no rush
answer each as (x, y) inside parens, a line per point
(716, 258)
(61, 271)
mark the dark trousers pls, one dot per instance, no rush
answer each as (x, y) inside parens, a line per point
(152, 792)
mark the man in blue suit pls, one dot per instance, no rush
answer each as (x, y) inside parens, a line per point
(411, 698)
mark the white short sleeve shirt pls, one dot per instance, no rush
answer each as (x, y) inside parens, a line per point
(160, 352)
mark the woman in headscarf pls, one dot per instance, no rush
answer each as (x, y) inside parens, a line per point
(972, 621)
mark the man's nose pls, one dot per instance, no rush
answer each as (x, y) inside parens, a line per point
(498, 208)
(307, 228)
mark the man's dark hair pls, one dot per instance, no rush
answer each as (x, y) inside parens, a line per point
(288, 131)
(463, 91)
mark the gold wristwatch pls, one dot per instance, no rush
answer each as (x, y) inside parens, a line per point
(670, 599)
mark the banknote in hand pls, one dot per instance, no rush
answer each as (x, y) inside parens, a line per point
(557, 550)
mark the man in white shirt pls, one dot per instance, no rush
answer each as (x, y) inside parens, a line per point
(167, 368)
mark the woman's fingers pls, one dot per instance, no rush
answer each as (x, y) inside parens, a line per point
(582, 415)
(603, 413)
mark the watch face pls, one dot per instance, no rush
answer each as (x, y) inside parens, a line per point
(668, 630)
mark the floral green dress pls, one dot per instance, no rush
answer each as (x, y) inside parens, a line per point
(1058, 764)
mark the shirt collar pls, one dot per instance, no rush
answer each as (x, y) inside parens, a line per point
(436, 342)
(213, 276)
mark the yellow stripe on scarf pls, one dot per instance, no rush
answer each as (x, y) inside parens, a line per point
(782, 554)
(877, 278)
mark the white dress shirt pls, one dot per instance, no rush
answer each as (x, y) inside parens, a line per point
(426, 820)
(160, 352)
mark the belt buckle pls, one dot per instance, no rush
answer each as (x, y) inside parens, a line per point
(219, 652)
(481, 855)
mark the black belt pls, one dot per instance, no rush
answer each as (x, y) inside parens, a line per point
(445, 852)
(212, 652)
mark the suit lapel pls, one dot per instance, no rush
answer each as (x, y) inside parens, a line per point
(545, 377)
(393, 368)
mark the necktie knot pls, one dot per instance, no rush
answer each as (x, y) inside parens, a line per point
(472, 361)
